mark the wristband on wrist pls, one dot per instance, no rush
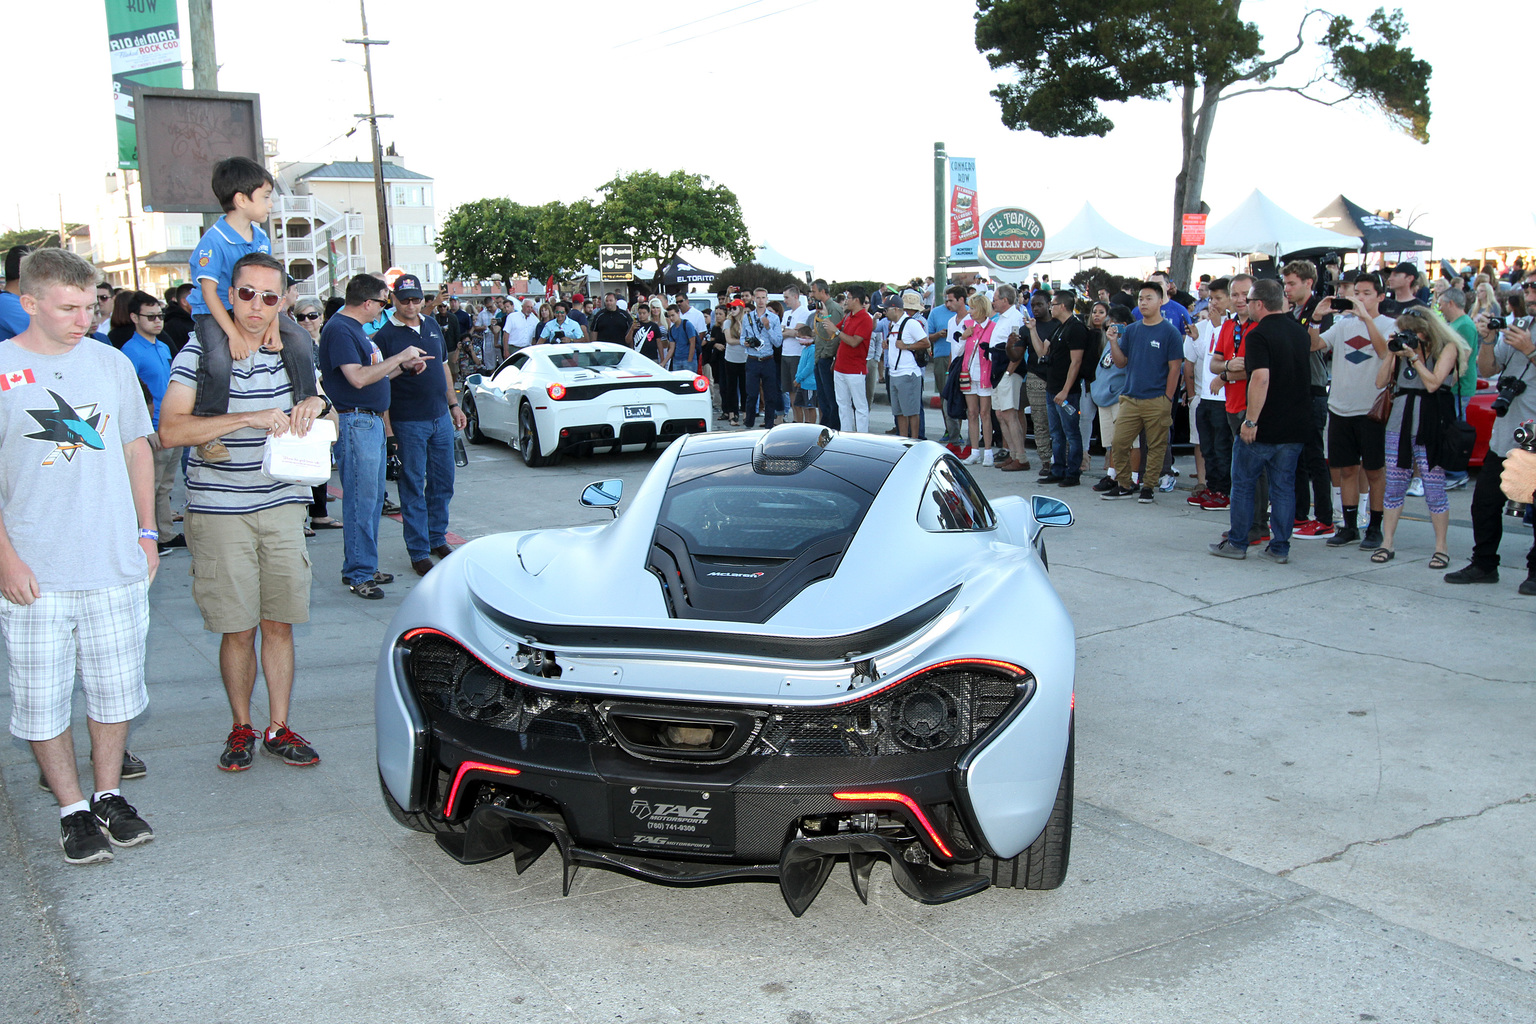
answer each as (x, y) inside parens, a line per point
(148, 534)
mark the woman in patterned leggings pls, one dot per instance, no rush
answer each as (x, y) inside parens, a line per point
(1420, 409)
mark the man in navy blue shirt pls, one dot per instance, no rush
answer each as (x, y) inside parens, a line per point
(355, 376)
(1153, 350)
(423, 414)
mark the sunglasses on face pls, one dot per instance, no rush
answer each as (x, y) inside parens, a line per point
(248, 294)
(301, 317)
(150, 316)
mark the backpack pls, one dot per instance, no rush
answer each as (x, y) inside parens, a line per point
(919, 355)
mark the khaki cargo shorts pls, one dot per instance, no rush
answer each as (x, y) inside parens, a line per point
(249, 567)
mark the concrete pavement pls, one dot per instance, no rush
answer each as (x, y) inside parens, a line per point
(1304, 794)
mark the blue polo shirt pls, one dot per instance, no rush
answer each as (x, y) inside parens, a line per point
(13, 319)
(416, 396)
(215, 257)
(1149, 349)
(571, 328)
(152, 362)
(938, 320)
(342, 341)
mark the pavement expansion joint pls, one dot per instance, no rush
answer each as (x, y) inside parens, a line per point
(1448, 819)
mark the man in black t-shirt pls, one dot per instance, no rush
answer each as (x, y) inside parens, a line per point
(1063, 374)
(610, 323)
(1275, 429)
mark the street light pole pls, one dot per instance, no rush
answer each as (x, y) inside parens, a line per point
(385, 249)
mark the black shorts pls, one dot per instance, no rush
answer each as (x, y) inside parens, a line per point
(1356, 441)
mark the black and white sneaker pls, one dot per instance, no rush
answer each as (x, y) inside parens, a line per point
(120, 822)
(1117, 492)
(1145, 497)
(82, 840)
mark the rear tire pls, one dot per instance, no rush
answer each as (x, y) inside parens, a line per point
(416, 821)
(528, 439)
(1044, 864)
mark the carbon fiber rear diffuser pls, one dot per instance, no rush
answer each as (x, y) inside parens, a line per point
(802, 870)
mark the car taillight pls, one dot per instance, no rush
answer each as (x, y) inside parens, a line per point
(556, 391)
(700, 382)
(909, 804)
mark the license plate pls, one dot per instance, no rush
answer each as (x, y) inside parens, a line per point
(675, 820)
(637, 412)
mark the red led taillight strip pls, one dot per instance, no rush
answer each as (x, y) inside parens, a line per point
(909, 804)
(1004, 666)
(473, 766)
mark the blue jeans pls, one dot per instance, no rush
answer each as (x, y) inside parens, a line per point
(426, 482)
(764, 373)
(1248, 461)
(826, 396)
(1066, 438)
(360, 460)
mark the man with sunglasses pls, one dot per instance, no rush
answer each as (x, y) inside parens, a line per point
(151, 359)
(356, 378)
(250, 570)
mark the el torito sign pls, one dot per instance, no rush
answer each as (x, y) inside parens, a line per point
(1011, 238)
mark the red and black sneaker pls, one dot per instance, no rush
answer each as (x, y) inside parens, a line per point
(290, 746)
(1214, 501)
(1315, 529)
(1197, 497)
(239, 749)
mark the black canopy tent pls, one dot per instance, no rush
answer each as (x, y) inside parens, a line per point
(680, 272)
(1376, 234)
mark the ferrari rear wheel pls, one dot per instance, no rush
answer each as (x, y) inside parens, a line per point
(1044, 864)
(472, 429)
(528, 438)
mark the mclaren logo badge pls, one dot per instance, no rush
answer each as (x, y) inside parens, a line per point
(738, 575)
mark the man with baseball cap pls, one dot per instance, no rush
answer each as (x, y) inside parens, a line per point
(1402, 285)
(423, 414)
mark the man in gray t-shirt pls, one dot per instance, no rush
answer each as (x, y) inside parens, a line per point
(77, 547)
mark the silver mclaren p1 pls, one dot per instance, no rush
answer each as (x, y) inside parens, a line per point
(794, 647)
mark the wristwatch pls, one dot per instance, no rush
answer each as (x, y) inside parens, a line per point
(1250, 423)
(1223, 376)
(327, 410)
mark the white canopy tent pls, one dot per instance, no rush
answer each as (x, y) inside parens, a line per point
(1259, 226)
(1089, 236)
(768, 256)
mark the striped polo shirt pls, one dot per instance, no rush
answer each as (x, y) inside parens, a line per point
(238, 486)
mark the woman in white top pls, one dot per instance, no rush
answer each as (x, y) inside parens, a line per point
(976, 377)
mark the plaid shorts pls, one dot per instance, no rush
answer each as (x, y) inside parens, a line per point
(100, 633)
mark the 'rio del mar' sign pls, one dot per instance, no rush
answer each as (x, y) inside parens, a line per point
(1011, 238)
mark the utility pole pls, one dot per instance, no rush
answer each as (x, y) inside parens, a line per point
(386, 253)
(940, 249)
(205, 64)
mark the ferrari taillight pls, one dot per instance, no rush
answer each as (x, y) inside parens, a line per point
(556, 391)
(700, 382)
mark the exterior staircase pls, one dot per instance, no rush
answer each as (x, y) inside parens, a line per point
(318, 245)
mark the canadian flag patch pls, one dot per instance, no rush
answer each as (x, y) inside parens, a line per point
(16, 379)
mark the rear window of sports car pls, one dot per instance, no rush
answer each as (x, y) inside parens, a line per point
(739, 513)
(584, 358)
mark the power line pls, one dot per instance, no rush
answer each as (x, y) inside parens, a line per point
(738, 24)
(686, 24)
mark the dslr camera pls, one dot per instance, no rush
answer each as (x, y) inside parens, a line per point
(1508, 389)
(1497, 323)
(1402, 341)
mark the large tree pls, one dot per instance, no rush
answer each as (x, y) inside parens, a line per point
(661, 215)
(1072, 56)
(491, 236)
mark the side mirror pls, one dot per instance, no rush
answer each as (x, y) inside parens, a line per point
(606, 494)
(1050, 511)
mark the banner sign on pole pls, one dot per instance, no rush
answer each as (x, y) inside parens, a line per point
(616, 262)
(963, 229)
(144, 38)
(1193, 232)
(1011, 239)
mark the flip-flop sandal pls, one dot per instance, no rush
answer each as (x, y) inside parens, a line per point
(1383, 555)
(308, 532)
(325, 524)
(1440, 560)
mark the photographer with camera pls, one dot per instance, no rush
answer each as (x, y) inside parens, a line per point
(1507, 351)
(562, 328)
(1424, 354)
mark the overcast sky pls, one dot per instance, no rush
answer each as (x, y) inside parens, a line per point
(820, 114)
